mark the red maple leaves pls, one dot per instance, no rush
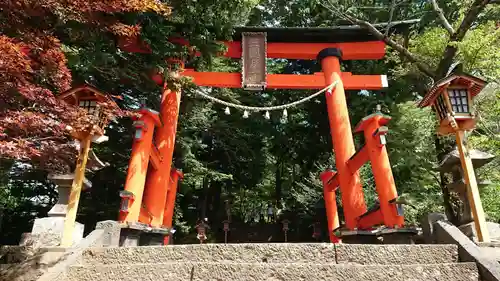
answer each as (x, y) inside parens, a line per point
(32, 120)
(34, 125)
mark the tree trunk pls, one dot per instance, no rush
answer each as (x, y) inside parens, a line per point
(278, 189)
(206, 186)
(215, 202)
(1, 219)
(441, 152)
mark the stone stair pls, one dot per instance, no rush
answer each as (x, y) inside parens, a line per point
(272, 262)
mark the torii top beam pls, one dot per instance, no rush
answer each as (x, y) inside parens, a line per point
(305, 43)
(355, 43)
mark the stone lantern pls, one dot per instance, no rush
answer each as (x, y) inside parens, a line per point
(201, 229)
(451, 164)
(226, 230)
(47, 231)
(285, 223)
(316, 230)
(127, 200)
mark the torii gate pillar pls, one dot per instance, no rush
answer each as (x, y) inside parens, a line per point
(340, 128)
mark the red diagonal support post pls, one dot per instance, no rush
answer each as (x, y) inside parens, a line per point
(371, 218)
(374, 131)
(138, 166)
(358, 159)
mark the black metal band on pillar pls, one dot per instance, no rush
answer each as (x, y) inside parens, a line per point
(329, 52)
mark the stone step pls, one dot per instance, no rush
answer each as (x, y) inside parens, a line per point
(275, 253)
(272, 272)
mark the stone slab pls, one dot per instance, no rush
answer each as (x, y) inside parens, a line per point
(491, 252)
(72, 256)
(272, 272)
(396, 254)
(14, 254)
(489, 268)
(253, 253)
(28, 263)
(275, 253)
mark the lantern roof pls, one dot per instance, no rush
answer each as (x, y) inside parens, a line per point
(86, 91)
(452, 159)
(474, 84)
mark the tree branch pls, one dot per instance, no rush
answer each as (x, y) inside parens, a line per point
(443, 19)
(396, 46)
(451, 50)
(469, 18)
(400, 49)
(391, 14)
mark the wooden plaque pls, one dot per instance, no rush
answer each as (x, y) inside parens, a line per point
(254, 61)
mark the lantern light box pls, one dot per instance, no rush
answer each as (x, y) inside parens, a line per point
(90, 99)
(453, 97)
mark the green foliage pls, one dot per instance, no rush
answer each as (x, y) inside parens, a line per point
(413, 158)
(487, 138)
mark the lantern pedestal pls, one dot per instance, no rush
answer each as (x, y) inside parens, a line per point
(64, 183)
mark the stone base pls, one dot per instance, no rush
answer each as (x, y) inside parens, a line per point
(151, 239)
(398, 238)
(119, 234)
(129, 237)
(112, 233)
(47, 232)
(361, 239)
(381, 235)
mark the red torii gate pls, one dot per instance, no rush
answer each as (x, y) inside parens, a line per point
(149, 198)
